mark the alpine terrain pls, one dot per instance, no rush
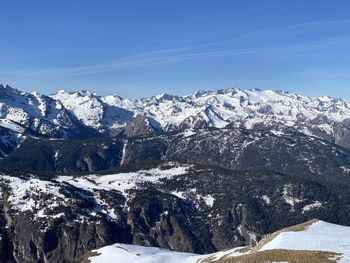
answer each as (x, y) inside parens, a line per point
(216, 176)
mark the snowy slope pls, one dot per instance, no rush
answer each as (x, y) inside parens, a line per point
(25, 193)
(85, 105)
(93, 111)
(138, 254)
(124, 181)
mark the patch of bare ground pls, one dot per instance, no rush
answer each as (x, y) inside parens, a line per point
(85, 258)
(278, 255)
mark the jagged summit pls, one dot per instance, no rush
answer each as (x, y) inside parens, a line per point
(8, 89)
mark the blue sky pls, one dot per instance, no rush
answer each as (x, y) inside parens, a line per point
(143, 48)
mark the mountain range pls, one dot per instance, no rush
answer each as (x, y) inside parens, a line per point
(83, 113)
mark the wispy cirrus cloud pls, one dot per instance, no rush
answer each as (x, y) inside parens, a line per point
(202, 51)
(300, 27)
(326, 73)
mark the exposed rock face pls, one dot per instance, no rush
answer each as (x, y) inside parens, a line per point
(141, 125)
(342, 135)
(9, 141)
(164, 220)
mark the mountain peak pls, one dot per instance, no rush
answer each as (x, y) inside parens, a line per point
(165, 96)
(82, 93)
(8, 89)
(87, 93)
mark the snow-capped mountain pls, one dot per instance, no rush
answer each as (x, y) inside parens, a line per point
(67, 114)
(93, 111)
(36, 114)
(323, 116)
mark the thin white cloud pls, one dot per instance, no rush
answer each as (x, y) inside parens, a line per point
(144, 59)
(301, 27)
(326, 73)
(194, 52)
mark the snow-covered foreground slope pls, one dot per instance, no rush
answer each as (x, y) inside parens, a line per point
(317, 237)
(320, 236)
(137, 254)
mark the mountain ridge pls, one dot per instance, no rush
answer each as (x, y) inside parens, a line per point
(321, 116)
